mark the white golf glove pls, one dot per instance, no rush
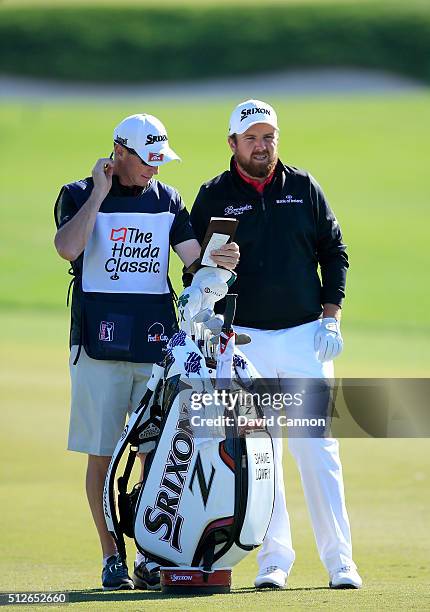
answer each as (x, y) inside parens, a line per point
(328, 341)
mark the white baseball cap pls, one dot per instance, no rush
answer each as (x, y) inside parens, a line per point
(147, 136)
(249, 113)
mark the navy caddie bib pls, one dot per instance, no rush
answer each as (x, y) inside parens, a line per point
(127, 311)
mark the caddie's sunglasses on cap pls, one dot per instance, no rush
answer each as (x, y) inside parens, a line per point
(132, 151)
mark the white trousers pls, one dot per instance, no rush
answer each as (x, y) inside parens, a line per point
(289, 353)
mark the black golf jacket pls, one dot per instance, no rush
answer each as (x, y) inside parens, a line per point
(287, 237)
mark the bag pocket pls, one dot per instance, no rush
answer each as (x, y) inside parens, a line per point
(136, 329)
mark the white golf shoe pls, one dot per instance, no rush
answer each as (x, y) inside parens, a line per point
(345, 577)
(272, 577)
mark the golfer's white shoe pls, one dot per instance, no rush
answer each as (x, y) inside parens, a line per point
(271, 577)
(345, 577)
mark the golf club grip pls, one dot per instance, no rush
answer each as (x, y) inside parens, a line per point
(230, 311)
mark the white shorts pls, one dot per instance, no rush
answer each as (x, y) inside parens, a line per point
(103, 393)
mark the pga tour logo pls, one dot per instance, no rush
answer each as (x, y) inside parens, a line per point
(106, 331)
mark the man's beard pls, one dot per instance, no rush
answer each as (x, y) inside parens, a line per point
(257, 169)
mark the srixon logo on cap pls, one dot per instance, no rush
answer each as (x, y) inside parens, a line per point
(150, 139)
(245, 112)
(155, 157)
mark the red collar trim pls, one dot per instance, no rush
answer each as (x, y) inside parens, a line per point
(253, 182)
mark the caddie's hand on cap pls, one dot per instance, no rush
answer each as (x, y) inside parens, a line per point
(102, 176)
(227, 256)
(328, 341)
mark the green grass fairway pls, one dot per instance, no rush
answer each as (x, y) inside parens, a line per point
(370, 154)
(47, 538)
(41, 3)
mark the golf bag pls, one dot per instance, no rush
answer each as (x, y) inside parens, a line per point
(207, 493)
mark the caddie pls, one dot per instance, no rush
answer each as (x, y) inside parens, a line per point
(287, 234)
(116, 228)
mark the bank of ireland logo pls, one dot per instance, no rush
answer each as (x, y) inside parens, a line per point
(289, 199)
(156, 333)
(106, 331)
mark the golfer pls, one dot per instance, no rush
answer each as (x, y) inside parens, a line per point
(286, 232)
(116, 228)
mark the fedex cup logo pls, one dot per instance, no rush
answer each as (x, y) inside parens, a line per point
(156, 333)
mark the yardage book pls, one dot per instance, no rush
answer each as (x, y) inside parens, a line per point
(220, 231)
